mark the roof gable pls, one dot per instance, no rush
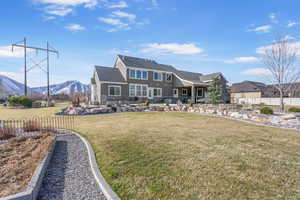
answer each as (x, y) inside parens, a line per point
(109, 74)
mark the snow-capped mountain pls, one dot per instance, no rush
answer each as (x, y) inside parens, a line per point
(68, 87)
(9, 86)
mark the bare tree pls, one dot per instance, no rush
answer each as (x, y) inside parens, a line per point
(280, 58)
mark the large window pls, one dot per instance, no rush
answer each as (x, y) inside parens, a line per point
(138, 74)
(157, 92)
(157, 76)
(138, 90)
(168, 77)
(200, 92)
(114, 90)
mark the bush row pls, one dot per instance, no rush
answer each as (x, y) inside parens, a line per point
(20, 101)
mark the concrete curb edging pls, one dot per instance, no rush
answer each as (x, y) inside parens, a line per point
(105, 188)
(33, 188)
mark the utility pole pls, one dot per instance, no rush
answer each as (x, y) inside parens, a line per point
(25, 68)
(48, 82)
(48, 50)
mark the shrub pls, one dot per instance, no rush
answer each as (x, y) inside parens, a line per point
(191, 104)
(266, 111)
(31, 125)
(294, 109)
(7, 132)
(20, 101)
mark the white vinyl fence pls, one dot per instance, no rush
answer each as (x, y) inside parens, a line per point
(269, 101)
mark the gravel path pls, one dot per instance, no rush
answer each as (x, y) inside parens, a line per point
(69, 174)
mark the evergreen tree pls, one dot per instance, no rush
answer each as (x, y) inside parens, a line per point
(214, 90)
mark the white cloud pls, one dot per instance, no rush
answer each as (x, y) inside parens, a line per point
(75, 27)
(87, 3)
(291, 24)
(57, 10)
(272, 16)
(117, 24)
(262, 29)
(120, 4)
(118, 51)
(172, 48)
(6, 51)
(257, 71)
(263, 49)
(121, 14)
(64, 7)
(249, 59)
(113, 21)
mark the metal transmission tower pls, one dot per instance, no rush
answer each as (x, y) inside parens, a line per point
(48, 50)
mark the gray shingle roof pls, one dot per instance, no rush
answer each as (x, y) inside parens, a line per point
(145, 64)
(196, 78)
(248, 86)
(109, 74)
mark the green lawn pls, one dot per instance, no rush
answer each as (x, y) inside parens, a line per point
(189, 156)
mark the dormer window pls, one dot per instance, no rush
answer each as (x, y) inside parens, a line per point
(138, 74)
(169, 77)
(157, 76)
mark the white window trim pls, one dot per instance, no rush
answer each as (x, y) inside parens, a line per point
(186, 93)
(135, 73)
(136, 90)
(171, 77)
(160, 92)
(161, 76)
(202, 92)
(114, 86)
(175, 95)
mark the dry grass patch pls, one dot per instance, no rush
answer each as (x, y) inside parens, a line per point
(19, 159)
(188, 156)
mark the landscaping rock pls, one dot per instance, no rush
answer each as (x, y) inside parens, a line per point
(288, 116)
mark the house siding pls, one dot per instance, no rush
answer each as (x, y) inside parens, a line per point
(123, 69)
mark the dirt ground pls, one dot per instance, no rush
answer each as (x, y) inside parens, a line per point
(19, 159)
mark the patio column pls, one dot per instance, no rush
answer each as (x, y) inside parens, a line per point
(193, 94)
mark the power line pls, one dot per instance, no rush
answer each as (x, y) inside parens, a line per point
(49, 49)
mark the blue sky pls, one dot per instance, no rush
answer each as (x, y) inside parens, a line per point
(194, 35)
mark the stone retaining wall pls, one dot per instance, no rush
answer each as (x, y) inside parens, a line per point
(239, 112)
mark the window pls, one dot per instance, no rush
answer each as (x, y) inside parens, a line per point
(138, 74)
(114, 90)
(132, 73)
(175, 92)
(184, 91)
(157, 92)
(131, 90)
(157, 76)
(145, 75)
(138, 90)
(199, 92)
(168, 77)
(144, 90)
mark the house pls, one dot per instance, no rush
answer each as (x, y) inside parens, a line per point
(133, 80)
(246, 89)
(251, 92)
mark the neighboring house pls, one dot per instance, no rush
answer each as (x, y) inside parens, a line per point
(246, 89)
(133, 80)
(251, 92)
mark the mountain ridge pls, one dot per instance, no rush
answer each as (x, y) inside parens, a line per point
(10, 86)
